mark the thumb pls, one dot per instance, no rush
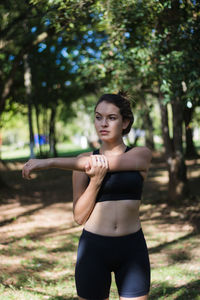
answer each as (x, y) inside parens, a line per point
(87, 166)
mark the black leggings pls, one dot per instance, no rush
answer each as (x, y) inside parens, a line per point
(98, 256)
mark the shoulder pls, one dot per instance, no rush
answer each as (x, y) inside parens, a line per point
(143, 151)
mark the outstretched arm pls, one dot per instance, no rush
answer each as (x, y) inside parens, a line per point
(68, 163)
(138, 158)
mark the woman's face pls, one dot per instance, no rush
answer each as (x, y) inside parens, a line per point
(108, 121)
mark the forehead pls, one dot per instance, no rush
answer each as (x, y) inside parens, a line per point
(107, 108)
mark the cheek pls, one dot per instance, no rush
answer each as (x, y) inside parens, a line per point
(117, 127)
(119, 124)
(96, 125)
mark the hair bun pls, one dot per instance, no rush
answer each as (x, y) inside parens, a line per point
(123, 94)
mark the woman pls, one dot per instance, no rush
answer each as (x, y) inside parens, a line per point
(107, 188)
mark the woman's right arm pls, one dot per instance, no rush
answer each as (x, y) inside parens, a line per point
(84, 194)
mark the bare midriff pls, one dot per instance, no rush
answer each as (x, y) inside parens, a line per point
(114, 218)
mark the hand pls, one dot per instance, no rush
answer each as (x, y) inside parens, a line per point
(97, 167)
(31, 165)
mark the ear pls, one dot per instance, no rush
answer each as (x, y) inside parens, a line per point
(125, 123)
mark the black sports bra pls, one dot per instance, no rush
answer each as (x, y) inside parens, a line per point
(120, 185)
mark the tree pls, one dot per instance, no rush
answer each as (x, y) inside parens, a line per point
(153, 40)
(59, 45)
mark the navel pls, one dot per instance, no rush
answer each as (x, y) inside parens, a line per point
(115, 226)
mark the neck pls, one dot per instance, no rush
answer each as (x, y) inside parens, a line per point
(114, 148)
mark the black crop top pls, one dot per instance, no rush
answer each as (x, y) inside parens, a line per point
(120, 185)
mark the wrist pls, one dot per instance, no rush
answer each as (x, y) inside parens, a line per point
(96, 181)
(50, 163)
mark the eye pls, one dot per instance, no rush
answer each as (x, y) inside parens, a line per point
(112, 118)
(98, 117)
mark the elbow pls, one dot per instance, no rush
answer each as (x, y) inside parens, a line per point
(79, 220)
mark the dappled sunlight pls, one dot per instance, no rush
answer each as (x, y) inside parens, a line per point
(194, 173)
(161, 177)
(182, 291)
(50, 219)
(13, 210)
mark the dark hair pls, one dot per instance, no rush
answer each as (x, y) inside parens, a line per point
(123, 103)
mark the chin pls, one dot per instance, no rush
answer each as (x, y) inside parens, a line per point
(108, 139)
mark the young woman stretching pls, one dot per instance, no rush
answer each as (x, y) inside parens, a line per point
(107, 189)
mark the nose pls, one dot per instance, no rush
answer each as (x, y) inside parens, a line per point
(104, 122)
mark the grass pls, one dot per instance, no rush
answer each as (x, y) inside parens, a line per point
(9, 153)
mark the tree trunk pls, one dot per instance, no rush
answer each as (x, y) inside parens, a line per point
(52, 133)
(38, 128)
(45, 132)
(177, 186)
(147, 123)
(168, 144)
(149, 141)
(10, 79)
(27, 84)
(190, 150)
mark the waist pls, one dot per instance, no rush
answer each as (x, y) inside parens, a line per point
(120, 238)
(116, 197)
(114, 218)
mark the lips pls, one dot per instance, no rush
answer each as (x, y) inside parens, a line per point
(104, 131)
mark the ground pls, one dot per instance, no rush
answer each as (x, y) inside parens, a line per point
(38, 237)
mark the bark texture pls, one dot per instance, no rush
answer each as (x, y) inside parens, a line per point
(52, 132)
(178, 184)
(190, 150)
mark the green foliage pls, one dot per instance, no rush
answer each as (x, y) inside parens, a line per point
(81, 48)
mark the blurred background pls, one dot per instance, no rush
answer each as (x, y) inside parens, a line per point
(57, 58)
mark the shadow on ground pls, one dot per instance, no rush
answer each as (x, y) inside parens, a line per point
(55, 186)
(184, 292)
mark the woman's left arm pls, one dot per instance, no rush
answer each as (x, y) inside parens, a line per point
(137, 158)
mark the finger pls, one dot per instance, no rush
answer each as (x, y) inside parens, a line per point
(105, 161)
(87, 166)
(99, 160)
(27, 173)
(24, 170)
(23, 173)
(94, 160)
(102, 160)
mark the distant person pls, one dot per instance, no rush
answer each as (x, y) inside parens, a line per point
(107, 190)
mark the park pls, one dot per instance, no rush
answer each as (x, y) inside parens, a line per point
(57, 59)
